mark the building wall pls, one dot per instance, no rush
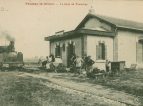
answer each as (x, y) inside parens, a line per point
(123, 47)
(78, 47)
(127, 47)
(92, 41)
(115, 48)
(96, 24)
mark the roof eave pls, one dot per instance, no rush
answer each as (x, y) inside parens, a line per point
(81, 32)
(52, 37)
(129, 28)
(96, 32)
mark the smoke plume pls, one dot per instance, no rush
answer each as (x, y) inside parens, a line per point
(7, 36)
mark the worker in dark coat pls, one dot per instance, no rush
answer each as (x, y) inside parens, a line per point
(72, 63)
(72, 59)
(85, 59)
(52, 58)
(45, 62)
(89, 65)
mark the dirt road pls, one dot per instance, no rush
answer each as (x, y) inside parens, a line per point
(52, 89)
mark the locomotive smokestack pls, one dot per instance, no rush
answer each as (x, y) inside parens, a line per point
(11, 46)
(11, 43)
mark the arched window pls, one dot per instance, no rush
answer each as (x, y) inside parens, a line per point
(101, 51)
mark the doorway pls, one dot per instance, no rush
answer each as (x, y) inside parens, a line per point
(70, 52)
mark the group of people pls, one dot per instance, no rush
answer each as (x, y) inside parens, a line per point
(48, 62)
(77, 64)
(81, 63)
(86, 63)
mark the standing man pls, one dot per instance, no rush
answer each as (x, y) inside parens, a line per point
(78, 63)
(72, 61)
(85, 59)
(107, 66)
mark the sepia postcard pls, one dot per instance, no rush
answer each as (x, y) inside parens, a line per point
(71, 53)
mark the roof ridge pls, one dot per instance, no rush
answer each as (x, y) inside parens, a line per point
(122, 19)
(119, 22)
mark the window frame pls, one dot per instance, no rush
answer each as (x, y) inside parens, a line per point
(57, 51)
(101, 51)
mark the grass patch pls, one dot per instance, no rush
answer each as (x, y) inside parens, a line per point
(29, 91)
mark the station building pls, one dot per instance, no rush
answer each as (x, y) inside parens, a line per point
(102, 38)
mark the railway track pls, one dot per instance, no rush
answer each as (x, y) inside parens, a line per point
(80, 90)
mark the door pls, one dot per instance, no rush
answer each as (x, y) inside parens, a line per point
(70, 52)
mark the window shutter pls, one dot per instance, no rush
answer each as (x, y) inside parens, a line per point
(139, 52)
(97, 52)
(105, 51)
(55, 51)
(73, 49)
(63, 47)
(100, 53)
(61, 52)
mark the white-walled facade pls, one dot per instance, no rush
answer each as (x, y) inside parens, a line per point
(92, 42)
(127, 47)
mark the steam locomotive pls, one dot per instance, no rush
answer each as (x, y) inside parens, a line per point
(9, 57)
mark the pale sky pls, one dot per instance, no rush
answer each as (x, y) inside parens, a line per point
(29, 24)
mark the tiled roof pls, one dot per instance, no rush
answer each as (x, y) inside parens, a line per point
(120, 23)
(117, 23)
(123, 23)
